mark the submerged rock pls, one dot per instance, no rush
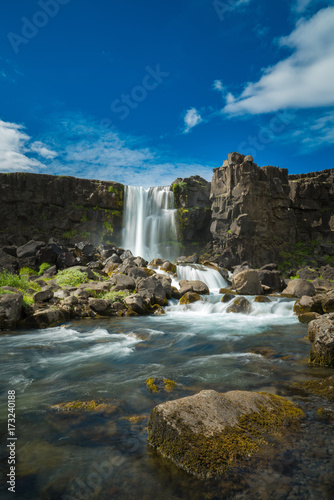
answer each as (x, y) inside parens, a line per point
(209, 433)
(323, 387)
(160, 384)
(189, 298)
(240, 305)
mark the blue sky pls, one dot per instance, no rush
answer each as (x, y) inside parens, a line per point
(145, 92)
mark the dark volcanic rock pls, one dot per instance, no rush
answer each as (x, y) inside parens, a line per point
(8, 262)
(10, 310)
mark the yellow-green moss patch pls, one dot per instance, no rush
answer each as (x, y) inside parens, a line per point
(323, 388)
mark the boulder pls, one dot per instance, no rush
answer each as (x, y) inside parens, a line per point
(298, 288)
(140, 262)
(122, 282)
(240, 305)
(166, 283)
(45, 318)
(322, 285)
(66, 259)
(135, 302)
(49, 254)
(10, 310)
(29, 249)
(271, 279)
(137, 272)
(125, 255)
(191, 259)
(189, 298)
(248, 283)
(262, 299)
(8, 263)
(44, 295)
(85, 251)
(327, 302)
(152, 290)
(194, 286)
(269, 267)
(308, 304)
(321, 334)
(156, 263)
(308, 317)
(168, 267)
(100, 306)
(227, 297)
(327, 272)
(210, 433)
(307, 273)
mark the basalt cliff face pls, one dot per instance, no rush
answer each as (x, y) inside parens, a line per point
(260, 213)
(247, 213)
(68, 209)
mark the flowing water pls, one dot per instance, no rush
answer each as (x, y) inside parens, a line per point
(102, 455)
(149, 222)
(64, 455)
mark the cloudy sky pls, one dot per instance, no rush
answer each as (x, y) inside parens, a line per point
(145, 92)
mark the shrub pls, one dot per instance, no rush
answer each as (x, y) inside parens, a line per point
(113, 296)
(28, 301)
(71, 277)
(27, 271)
(43, 267)
(14, 280)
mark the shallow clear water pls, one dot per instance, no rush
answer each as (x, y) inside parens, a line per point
(65, 455)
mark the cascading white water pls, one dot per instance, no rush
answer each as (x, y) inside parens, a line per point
(149, 222)
(209, 276)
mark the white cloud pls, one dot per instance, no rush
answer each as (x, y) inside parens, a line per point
(315, 132)
(86, 149)
(191, 119)
(218, 85)
(42, 150)
(303, 80)
(14, 150)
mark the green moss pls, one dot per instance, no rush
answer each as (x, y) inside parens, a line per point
(152, 387)
(94, 406)
(323, 387)
(5, 292)
(211, 456)
(28, 301)
(112, 189)
(158, 385)
(111, 296)
(84, 218)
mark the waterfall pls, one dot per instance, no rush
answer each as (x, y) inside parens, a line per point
(149, 228)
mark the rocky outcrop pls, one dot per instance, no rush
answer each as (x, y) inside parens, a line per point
(250, 216)
(192, 200)
(298, 288)
(209, 433)
(38, 207)
(262, 214)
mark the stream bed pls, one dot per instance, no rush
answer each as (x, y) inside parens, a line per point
(68, 455)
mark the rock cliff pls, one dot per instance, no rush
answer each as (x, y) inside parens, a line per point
(39, 207)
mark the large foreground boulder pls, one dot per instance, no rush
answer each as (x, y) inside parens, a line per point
(298, 288)
(209, 432)
(248, 283)
(321, 334)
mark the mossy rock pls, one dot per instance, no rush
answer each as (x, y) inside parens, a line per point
(323, 387)
(227, 298)
(266, 352)
(228, 290)
(240, 305)
(160, 384)
(168, 267)
(262, 299)
(308, 317)
(93, 406)
(325, 414)
(209, 434)
(189, 298)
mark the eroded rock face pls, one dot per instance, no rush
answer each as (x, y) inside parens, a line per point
(209, 432)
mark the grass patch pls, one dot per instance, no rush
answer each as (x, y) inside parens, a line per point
(112, 296)
(27, 271)
(71, 277)
(14, 280)
(43, 267)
